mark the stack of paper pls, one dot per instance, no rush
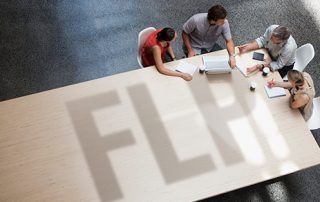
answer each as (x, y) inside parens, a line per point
(274, 91)
(216, 64)
(186, 68)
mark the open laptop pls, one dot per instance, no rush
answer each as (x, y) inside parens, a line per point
(216, 64)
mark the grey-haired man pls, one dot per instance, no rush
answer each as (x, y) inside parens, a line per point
(280, 45)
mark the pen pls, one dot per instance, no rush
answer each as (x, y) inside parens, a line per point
(270, 83)
(273, 83)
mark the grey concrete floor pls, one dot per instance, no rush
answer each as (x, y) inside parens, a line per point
(50, 44)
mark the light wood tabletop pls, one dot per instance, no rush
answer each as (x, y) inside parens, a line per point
(143, 136)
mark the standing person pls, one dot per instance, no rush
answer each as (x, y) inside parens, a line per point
(300, 85)
(201, 32)
(156, 47)
(280, 45)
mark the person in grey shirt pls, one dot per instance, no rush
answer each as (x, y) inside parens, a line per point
(281, 47)
(202, 30)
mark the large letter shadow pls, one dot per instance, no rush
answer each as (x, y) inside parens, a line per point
(95, 146)
(172, 169)
(216, 117)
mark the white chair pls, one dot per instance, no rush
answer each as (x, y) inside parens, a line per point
(143, 35)
(304, 54)
(314, 121)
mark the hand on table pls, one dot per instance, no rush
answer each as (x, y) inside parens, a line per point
(252, 69)
(232, 62)
(243, 48)
(272, 83)
(186, 76)
(191, 53)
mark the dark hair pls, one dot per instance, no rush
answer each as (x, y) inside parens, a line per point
(166, 34)
(296, 77)
(216, 12)
(281, 33)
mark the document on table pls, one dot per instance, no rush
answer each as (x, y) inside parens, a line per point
(241, 67)
(186, 68)
(275, 91)
(216, 64)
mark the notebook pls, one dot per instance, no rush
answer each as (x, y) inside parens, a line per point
(216, 64)
(242, 68)
(275, 91)
(242, 64)
(186, 68)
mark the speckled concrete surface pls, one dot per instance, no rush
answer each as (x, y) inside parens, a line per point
(50, 44)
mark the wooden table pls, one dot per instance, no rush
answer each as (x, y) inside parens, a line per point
(143, 136)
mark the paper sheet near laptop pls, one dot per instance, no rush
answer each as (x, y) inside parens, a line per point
(275, 91)
(216, 64)
(241, 63)
(186, 68)
(241, 67)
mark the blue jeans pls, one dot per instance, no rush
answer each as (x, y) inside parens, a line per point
(201, 51)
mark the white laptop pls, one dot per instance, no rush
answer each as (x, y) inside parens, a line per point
(216, 64)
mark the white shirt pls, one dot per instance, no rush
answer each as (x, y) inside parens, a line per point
(281, 54)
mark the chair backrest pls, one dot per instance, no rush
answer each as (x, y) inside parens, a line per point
(142, 37)
(303, 55)
(314, 121)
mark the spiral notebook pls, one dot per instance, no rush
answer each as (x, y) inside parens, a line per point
(274, 91)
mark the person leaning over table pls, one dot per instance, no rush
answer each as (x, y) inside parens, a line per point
(280, 45)
(301, 88)
(201, 32)
(156, 47)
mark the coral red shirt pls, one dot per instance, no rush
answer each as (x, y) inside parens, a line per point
(146, 52)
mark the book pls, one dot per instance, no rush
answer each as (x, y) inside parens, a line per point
(274, 91)
(186, 68)
(216, 64)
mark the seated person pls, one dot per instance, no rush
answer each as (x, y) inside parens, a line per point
(201, 32)
(302, 91)
(281, 47)
(156, 47)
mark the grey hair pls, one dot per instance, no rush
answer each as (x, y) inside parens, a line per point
(281, 32)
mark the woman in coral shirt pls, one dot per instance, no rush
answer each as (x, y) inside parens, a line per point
(155, 48)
